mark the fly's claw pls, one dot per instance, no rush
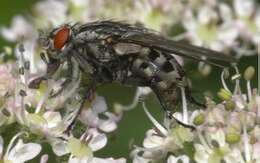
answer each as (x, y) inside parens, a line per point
(63, 87)
(35, 83)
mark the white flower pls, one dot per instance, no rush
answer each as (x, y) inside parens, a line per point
(50, 13)
(90, 116)
(248, 17)
(19, 152)
(37, 66)
(8, 81)
(19, 29)
(82, 150)
(99, 160)
(48, 124)
(162, 140)
(204, 31)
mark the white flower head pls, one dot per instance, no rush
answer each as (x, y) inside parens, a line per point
(50, 13)
(90, 116)
(19, 30)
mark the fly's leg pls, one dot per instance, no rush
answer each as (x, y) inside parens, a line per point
(87, 95)
(52, 66)
(68, 80)
(165, 108)
(191, 99)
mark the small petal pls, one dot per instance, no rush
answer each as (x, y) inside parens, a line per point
(201, 154)
(206, 14)
(244, 8)
(256, 151)
(1, 146)
(80, 160)
(23, 152)
(225, 12)
(99, 105)
(44, 158)
(53, 118)
(107, 160)
(109, 124)
(89, 117)
(219, 137)
(98, 140)
(59, 147)
(173, 159)
(151, 140)
(189, 21)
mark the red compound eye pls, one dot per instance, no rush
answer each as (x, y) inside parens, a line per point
(61, 37)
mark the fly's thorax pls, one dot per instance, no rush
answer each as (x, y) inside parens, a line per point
(85, 37)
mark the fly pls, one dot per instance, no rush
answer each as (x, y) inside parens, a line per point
(109, 51)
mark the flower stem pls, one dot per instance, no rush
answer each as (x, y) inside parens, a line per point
(246, 143)
(43, 99)
(134, 102)
(249, 92)
(12, 142)
(224, 82)
(184, 107)
(154, 121)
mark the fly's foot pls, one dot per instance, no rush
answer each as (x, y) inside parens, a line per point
(170, 116)
(64, 85)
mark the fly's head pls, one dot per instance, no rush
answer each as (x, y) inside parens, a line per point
(56, 43)
(55, 47)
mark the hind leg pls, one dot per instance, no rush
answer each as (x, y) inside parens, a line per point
(191, 99)
(167, 110)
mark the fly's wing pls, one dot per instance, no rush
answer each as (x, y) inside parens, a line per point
(156, 41)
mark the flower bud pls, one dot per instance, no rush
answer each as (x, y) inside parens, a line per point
(118, 108)
(8, 50)
(224, 94)
(199, 119)
(230, 105)
(232, 138)
(249, 73)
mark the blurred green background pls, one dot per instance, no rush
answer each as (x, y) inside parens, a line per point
(131, 129)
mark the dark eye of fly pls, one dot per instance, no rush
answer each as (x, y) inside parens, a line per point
(61, 37)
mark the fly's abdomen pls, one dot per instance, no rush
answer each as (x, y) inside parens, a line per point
(163, 74)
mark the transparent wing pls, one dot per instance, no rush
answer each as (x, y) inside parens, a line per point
(155, 41)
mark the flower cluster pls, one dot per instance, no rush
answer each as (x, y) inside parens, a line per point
(222, 26)
(225, 132)
(39, 117)
(219, 25)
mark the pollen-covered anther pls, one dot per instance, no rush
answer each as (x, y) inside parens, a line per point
(249, 73)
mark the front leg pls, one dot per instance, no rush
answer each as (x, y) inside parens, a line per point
(69, 77)
(86, 93)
